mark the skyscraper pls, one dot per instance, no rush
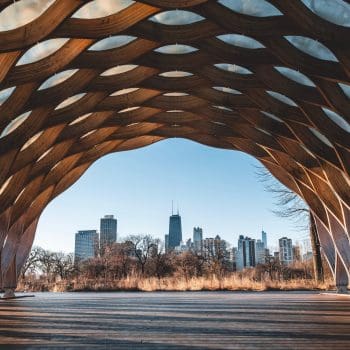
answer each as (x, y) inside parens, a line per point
(197, 238)
(245, 253)
(296, 253)
(260, 253)
(264, 238)
(175, 231)
(215, 249)
(86, 245)
(233, 258)
(108, 230)
(285, 250)
(166, 241)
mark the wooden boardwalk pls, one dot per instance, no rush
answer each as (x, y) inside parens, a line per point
(189, 320)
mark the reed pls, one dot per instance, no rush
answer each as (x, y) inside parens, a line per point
(231, 282)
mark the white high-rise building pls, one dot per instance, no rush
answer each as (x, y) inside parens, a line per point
(285, 250)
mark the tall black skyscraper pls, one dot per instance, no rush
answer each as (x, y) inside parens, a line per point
(175, 231)
(108, 230)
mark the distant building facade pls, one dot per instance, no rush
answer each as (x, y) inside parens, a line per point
(166, 243)
(175, 231)
(208, 247)
(307, 256)
(245, 253)
(86, 245)
(183, 247)
(108, 231)
(233, 258)
(189, 244)
(264, 238)
(296, 253)
(260, 252)
(197, 238)
(215, 249)
(285, 250)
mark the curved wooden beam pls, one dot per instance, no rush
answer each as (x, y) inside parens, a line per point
(47, 143)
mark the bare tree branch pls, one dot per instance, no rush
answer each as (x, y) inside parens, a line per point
(288, 204)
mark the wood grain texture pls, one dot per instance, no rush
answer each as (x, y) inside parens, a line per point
(181, 321)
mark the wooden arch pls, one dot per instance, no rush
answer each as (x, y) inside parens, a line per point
(298, 128)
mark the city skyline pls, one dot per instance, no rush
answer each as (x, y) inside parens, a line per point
(175, 229)
(248, 253)
(225, 198)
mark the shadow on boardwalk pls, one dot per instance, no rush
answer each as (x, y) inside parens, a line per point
(196, 320)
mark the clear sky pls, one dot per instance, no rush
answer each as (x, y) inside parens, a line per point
(215, 189)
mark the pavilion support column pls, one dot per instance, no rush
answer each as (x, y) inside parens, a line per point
(341, 241)
(342, 247)
(8, 259)
(4, 224)
(9, 280)
(346, 212)
(25, 245)
(327, 244)
(341, 276)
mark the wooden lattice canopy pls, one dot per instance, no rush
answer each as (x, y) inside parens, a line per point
(267, 78)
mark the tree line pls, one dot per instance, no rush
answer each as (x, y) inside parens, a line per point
(143, 256)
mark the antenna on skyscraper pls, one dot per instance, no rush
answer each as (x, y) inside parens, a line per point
(177, 208)
(172, 207)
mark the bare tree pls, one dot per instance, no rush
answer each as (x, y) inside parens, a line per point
(47, 264)
(290, 205)
(63, 264)
(33, 261)
(123, 253)
(160, 262)
(215, 253)
(189, 264)
(143, 246)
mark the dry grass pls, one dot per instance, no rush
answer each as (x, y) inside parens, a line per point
(233, 282)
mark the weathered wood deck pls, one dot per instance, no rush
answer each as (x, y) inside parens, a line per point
(190, 320)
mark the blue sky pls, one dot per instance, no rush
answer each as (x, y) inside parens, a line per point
(215, 189)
